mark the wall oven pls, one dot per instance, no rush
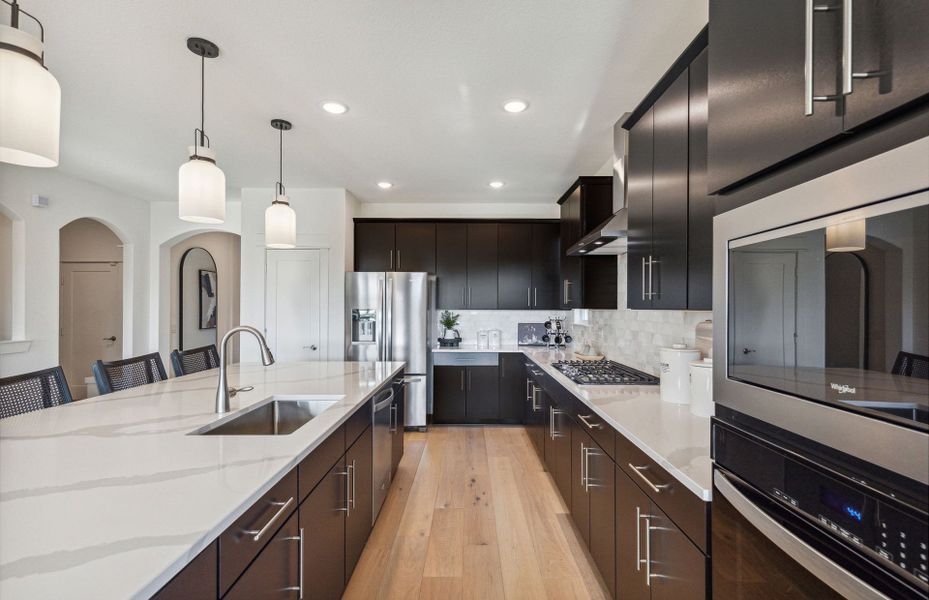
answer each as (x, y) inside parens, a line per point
(821, 381)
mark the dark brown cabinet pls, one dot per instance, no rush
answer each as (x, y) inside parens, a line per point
(196, 582)
(513, 391)
(275, 573)
(590, 281)
(322, 517)
(557, 443)
(451, 265)
(536, 417)
(527, 267)
(466, 394)
(669, 258)
(762, 112)
(632, 506)
(389, 246)
(545, 265)
(360, 467)
(482, 265)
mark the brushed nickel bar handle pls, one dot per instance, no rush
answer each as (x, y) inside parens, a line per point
(648, 550)
(551, 422)
(810, 8)
(846, 47)
(351, 469)
(585, 451)
(643, 278)
(399, 268)
(638, 471)
(583, 467)
(535, 296)
(390, 255)
(584, 418)
(258, 534)
(638, 539)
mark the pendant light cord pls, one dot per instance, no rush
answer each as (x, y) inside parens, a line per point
(202, 95)
(280, 172)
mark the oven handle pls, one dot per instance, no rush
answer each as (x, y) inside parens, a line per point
(830, 573)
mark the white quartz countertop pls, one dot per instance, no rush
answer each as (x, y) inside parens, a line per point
(668, 433)
(110, 497)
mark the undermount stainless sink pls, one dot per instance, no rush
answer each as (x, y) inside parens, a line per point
(277, 415)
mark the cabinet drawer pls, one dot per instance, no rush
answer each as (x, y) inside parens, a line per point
(362, 418)
(465, 359)
(238, 544)
(595, 427)
(276, 572)
(315, 466)
(687, 510)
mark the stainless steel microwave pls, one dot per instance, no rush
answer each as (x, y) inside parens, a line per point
(821, 308)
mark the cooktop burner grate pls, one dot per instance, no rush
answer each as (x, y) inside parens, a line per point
(603, 372)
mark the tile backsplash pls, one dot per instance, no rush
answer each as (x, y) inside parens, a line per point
(505, 320)
(633, 337)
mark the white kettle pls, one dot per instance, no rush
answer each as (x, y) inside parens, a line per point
(674, 365)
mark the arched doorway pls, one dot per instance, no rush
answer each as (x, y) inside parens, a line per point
(90, 299)
(198, 299)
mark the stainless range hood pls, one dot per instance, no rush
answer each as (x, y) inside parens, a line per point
(610, 236)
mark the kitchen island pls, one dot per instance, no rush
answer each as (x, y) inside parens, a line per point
(111, 497)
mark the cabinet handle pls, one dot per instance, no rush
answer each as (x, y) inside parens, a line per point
(529, 297)
(585, 468)
(648, 550)
(351, 471)
(390, 257)
(638, 471)
(258, 534)
(299, 587)
(553, 430)
(638, 539)
(643, 278)
(535, 297)
(469, 296)
(399, 263)
(848, 69)
(301, 563)
(393, 418)
(535, 397)
(348, 490)
(810, 8)
(584, 418)
(564, 289)
(528, 390)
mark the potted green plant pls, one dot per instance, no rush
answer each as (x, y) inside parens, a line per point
(449, 321)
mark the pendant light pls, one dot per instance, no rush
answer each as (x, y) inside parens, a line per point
(201, 184)
(30, 97)
(850, 236)
(280, 218)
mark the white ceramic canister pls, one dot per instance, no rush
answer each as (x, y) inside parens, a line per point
(494, 335)
(482, 340)
(701, 388)
(674, 365)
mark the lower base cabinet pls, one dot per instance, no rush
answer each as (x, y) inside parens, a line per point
(359, 464)
(196, 582)
(322, 515)
(276, 570)
(592, 497)
(466, 394)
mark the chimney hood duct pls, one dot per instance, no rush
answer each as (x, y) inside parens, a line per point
(610, 236)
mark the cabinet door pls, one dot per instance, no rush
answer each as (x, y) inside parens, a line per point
(545, 253)
(571, 220)
(483, 404)
(756, 85)
(679, 568)
(399, 417)
(275, 569)
(700, 207)
(889, 38)
(514, 266)
(359, 462)
(451, 265)
(196, 582)
(572, 283)
(415, 246)
(449, 395)
(549, 443)
(512, 387)
(322, 518)
(668, 272)
(482, 265)
(374, 247)
(639, 205)
(579, 499)
(632, 506)
(601, 479)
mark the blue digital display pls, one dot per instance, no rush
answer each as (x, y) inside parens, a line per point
(842, 503)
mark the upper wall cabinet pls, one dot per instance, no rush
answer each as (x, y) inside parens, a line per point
(669, 258)
(527, 266)
(785, 77)
(395, 246)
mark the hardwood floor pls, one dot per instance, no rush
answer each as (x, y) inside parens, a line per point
(473, 514)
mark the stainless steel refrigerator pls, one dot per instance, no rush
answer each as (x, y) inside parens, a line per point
(390, 317)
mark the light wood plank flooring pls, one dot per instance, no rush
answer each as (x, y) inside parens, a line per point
(473, 514)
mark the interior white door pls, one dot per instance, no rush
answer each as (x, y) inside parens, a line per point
(296, 304)
(91, 319)
(764, 294)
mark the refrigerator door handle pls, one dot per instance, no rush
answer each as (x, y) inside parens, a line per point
(388, 321)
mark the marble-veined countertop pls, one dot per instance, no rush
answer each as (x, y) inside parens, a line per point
(668, 433)
(110, 497)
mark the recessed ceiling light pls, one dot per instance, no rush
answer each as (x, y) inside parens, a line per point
(496, 184)
(335, 108)
(384, 185)
(515, 106)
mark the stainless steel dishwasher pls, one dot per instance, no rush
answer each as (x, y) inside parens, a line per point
(382, 448)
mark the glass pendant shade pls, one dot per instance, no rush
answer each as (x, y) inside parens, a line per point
(30, 103)
(201, 188)
(280, 224)
(846, 237)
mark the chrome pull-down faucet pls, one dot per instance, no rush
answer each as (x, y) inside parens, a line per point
(223, 393)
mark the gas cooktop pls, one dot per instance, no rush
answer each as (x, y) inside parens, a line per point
(603, 372)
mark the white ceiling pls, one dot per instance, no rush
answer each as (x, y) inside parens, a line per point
(424, 80)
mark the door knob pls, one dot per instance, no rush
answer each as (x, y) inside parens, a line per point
(747, 350)
(112, 338)
(313, 347)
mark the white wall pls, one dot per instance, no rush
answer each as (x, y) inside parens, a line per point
(70, 198)
(503, 210)
(323, 216)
